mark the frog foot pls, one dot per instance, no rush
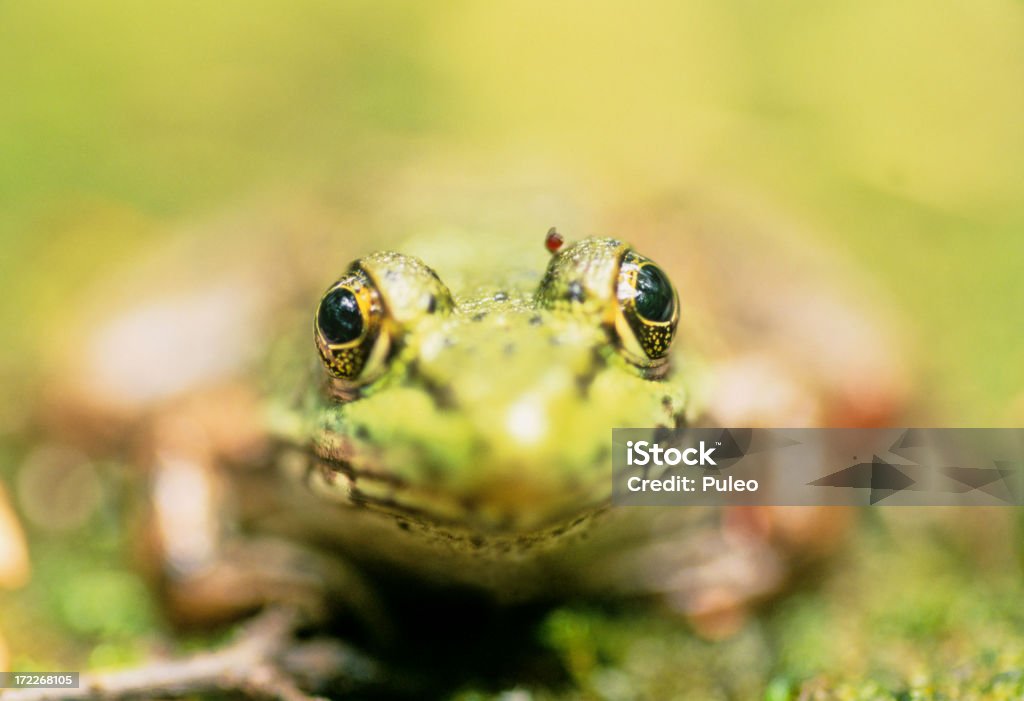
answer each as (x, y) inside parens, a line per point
(715, 580)
(253, 573)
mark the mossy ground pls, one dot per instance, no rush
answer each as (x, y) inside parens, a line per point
(922, 604)
(910, 612)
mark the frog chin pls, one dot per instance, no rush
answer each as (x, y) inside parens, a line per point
(506, 500)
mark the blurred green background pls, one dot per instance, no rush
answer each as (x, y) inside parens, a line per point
(895, 130)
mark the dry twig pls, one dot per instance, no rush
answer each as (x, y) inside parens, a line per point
(265, 661)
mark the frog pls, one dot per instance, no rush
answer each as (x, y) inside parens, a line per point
(431, 421)
(458, 421)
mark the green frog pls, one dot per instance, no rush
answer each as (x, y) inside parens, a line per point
(438, 419)
(450, 423)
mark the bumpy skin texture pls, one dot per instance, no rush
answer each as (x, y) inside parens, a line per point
(581, 279)
(474, 446)
(489, 416)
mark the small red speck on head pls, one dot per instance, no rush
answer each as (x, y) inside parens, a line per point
(553, 241)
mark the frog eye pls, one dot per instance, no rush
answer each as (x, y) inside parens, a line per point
(339, 318)
(348, 327)
(648, 309)
(624, 291)
(361, 318)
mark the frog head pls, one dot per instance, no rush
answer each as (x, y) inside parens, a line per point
(487, 401)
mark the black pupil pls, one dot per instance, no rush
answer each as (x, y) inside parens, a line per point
(654, 298)
(339, 317)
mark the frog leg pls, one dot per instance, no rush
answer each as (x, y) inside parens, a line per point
(208, 572)
(711, 566)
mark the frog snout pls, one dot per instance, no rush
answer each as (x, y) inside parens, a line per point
(537, 443)
(508, 426)
(518, 394)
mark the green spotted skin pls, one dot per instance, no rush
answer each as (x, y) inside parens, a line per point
(481, 419)
(487, 408)
(581, 279)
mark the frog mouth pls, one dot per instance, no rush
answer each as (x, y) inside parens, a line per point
(498, 509)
